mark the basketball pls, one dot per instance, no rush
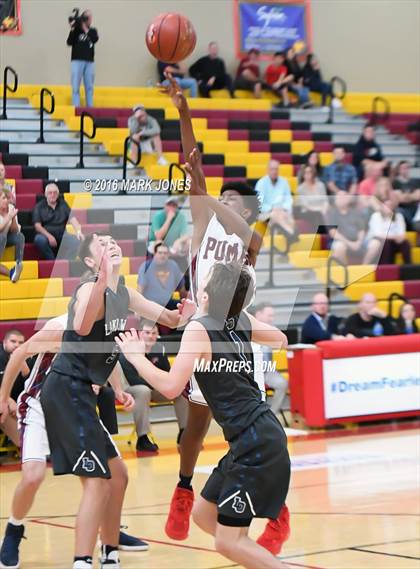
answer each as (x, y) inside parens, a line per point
(170, 37)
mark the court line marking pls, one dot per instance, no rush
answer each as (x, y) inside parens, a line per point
(383, 553)
(349, 547)
(350, 514)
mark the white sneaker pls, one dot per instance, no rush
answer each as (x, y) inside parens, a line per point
(110, 561)
(325, 108)
(162, 161)
(16, 272)
(81, 564)
(336, 103)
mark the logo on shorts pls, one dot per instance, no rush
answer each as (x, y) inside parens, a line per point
(88, 464)
(239, 505)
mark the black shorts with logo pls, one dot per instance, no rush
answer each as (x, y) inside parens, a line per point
(79, 442)
(252, 479)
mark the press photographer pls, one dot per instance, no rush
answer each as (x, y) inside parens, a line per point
(82, 38)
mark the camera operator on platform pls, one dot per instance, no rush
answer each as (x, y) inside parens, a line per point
(82, 38)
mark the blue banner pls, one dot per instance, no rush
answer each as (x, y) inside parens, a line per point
(271, 27)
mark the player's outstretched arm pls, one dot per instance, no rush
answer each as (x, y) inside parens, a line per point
(200, 214)
(194, 343)
(156, 313)
(45, 340)
(267, 335)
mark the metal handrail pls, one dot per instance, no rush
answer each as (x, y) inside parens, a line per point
(330, 261)
(273, 231)
(336, 95)
(394, 296)
(83, 134)
(44, 91)
(127, 158)
(184, 176)
(7, 87)
(374, 115)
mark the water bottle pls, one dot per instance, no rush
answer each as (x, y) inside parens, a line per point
(377, 329)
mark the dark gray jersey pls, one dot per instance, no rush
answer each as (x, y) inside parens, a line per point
(93, 357)
(228, 381)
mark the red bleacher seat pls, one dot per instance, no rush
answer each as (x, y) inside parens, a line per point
(13, 172)
(238, 135)
(412, 289)
(29, 187)
(213, 170)
(217, 123)
(387, 273)
(25, 201)
(127, 248)
(280, 124)
(31, 253)
(323, 146)
(135, 263)
(259, 146)
(27, 327)
(69, 285)
(302, 135)
(59, 268)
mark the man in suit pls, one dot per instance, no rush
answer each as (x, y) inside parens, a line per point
(320, 325)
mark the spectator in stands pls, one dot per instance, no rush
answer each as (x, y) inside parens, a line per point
(312, 202)
(346, 231)
(169, 225)
(406, 321)
(179, 73)
(10, 234)
(387, 233)
(210, 72)
(369, 320)
(296, 79)
(264, 312)
(160, 277)
(408, 192)
(12, 340)
(277, 77)
(4, 185)
(340, 176)
(276, 201)
(82, 39)
(312, 159)
(50, 217)
(143, 393)
(248, 76)
(145, 129)
(320, 325)
(367, 150)
(373, 173)
(312, 78)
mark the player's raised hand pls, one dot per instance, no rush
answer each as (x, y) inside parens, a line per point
(195, 170)
(130, 344)
(174, 91)
(186, 308)
(105, 267)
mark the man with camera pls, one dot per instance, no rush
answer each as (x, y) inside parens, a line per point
(82, 38)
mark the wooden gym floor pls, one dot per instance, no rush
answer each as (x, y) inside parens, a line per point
(354, 503)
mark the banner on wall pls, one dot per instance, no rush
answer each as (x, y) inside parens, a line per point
(272, 26)
(10, 17)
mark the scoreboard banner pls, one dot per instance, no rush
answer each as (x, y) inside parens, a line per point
(272, 26)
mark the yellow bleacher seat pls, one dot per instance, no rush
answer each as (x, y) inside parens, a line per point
(302, 146)
(412, 238)
(33, 308)
(24, 289)
(29, 271)
(212, 134)
(79, 201)
(309, 259)
(356, 273)
(381, 289)
(245, 158)
(8, 254)
(281, 136)
(326, 158)
(396, 305)
(280, 357)
(224, 147)
(257, 171)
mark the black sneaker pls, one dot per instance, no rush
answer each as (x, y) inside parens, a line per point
(131, 543)
(145, 446)
(9, 552)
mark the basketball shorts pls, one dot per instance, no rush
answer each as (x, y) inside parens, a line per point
(252, 479)
(33, 434)
(79, 442)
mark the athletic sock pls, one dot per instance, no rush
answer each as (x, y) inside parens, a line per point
(15, 522)
(185, 482)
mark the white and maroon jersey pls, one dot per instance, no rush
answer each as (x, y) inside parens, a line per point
(217, 246)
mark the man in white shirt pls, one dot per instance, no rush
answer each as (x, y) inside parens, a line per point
(276, 200)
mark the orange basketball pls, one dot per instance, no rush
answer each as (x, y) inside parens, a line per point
(170, 37)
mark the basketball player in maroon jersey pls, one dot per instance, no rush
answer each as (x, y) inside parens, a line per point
(231, 217)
